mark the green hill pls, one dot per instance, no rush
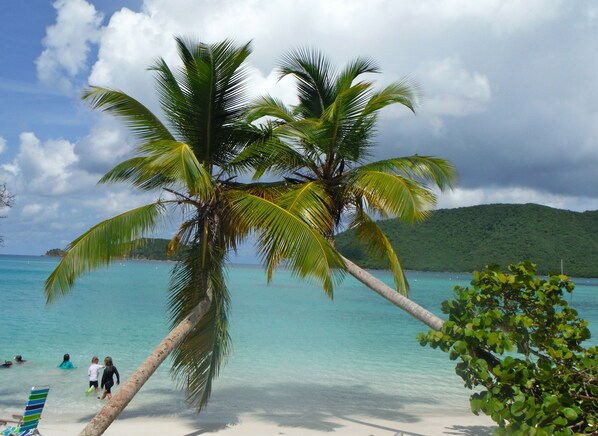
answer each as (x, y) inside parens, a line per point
(468, 238)
(153, 249)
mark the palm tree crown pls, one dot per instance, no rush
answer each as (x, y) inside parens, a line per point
(321, 146)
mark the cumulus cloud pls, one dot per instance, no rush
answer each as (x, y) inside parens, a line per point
(106, 144)
(48, 168)
(462, 197)
(2, 144)
(68, 43)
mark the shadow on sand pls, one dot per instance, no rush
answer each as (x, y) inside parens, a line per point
(300, 405)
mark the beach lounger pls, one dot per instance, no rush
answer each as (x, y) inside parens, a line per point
(27, 423)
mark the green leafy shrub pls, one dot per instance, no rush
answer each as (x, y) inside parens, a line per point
(518, 344)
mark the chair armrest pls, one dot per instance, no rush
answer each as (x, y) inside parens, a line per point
(19, 417)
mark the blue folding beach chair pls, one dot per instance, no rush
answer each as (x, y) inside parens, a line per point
(27, 423)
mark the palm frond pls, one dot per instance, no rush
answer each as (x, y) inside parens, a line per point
(285, 237)
(97, 247)
(405, 92)
(271, 191)
(268, 106)
(177, 163)
(342, 120)
(270, 154)
(352, 71)
(313, 72)
(142, 122)
(392, 194)
(163, 164)
(137, 172)
(310, 202)
(196, 361)
(378, 245)
(426, 168)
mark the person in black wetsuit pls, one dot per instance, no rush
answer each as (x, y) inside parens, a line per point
(108, 378)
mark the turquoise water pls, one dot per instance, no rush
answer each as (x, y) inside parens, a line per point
(294, 350)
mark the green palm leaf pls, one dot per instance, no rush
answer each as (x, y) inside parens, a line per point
(282, 236)
(310, 202)
(368, 232)
(197, 360)
(313, 72)
(136, 171)
(426, 168)
(269, 154)
(404, 92)
(268, 106)
(352, 71)
(104, 242)
(392, 194)
(177, 162)
(164, 163)
(136, 116)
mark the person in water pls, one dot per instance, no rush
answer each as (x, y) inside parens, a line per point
(6, 364)
(92, 372)
(19, 359)
(66, 362)
(108, 378)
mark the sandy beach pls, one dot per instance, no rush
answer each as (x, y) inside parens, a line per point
(277, 424)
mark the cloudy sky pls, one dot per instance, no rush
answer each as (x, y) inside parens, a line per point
(510, 92)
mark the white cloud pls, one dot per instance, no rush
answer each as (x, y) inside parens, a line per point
(31, 209)
(454, 90)
(128, 45)
(105, 146)
(36, 213)
(502, 16)
(45, 167)
(461, 197)
(114, 202)
(48, 168)
(2, 144)
(67, 43)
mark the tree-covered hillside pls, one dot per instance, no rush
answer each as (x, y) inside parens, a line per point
(466, 239)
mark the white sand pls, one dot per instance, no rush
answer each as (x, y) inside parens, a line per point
(251, 424)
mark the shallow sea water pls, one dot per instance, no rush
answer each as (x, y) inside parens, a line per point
(295, 352)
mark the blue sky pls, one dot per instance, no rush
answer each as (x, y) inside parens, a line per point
(510, 93)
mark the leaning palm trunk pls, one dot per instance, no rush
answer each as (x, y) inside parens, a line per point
(123, 397)
(393, 296)
(409, 306)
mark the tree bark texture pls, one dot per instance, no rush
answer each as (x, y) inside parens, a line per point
(393, 296)
(129, 389)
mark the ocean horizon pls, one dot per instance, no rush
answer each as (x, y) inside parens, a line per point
(295, 351)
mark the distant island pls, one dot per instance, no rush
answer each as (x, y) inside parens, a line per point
(466, 239)
(150, 249)
(55, 252)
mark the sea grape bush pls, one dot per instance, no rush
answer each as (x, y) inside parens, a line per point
(518, 344)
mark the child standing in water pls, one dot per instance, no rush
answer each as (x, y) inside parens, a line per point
(108, 377)
(92, 372)
(66, 362)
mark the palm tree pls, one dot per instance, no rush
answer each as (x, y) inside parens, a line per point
(320, 147)
(187, 159)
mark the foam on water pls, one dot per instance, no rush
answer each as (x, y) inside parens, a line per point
(294, 350)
